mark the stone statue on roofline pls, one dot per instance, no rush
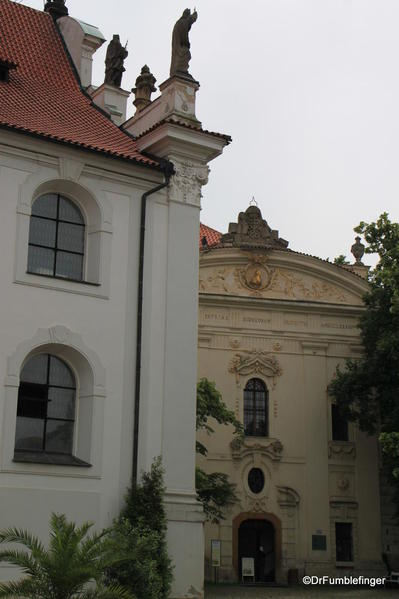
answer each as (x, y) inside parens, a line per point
(181, 45)
(56, 8)
(114, 60)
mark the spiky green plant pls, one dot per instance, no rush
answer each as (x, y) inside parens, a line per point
(71, 568)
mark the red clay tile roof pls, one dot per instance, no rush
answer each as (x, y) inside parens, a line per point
(174, 121)
(211, 236)
(43, 96)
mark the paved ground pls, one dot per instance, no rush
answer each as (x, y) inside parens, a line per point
(239, 592)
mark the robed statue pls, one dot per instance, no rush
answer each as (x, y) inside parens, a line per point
(56, 8)
(114, 58)
(181, 45)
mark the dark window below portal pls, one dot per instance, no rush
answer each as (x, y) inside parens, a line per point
(343, 542)
(339, 425)
(256, 480)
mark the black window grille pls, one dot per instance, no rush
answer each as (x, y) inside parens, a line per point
(343, 542)
(46, 406)
(339, 425)
(256, 409)
(56, 238)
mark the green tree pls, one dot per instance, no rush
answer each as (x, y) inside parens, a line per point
(72, 567)
(214, 490)
(140, 533)
(341, 259)
(367, 391)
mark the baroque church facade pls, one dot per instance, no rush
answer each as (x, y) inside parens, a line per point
(98, 350)
(99, 271)
(273, 326)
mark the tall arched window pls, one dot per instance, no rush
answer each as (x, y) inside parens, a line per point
(256, 421)
(46, 406)
(56, 238)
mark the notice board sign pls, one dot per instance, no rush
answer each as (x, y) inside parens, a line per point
(319, 543)
(215, 553)
(248, 566)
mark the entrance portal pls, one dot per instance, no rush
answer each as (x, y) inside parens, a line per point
(256, 539)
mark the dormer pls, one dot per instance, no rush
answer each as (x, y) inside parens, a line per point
(5, 67)
(82, 41)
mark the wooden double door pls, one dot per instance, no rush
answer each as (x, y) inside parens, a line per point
(256, 539)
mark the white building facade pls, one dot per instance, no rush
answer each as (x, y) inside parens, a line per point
(71, 220)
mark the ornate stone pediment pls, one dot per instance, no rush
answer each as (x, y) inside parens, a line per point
(287, 497)
(252, 230)
(242, 446)
(256, 362)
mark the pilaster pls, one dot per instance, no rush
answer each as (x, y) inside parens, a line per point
(168, 128)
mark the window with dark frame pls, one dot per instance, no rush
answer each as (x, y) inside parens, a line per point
(256, 409)
(56, 238)
(256, 480)
(343, 542)
(340, 431)
(46, 407)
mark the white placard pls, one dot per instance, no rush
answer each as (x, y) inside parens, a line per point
(215, 553)
(248, 566)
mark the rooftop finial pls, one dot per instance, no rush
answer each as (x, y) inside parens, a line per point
(357, 250)
(145, 85)
(114, 59)
(252, 231)
(253, 202)
(56, 8)
(181, 55)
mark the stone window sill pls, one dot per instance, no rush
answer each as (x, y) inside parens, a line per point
(58, 278)
(31, 457)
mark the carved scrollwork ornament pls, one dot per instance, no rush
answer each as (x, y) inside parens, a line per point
(186, 184)
(256, 362)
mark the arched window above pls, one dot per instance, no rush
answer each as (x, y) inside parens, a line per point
(46, 407)
(56, 238)
(256, 421)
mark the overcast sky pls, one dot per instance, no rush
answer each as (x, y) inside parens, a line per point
(309, 92)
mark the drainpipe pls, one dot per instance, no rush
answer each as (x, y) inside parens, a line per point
(168, 170)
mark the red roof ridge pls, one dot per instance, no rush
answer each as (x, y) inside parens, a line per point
(43, 97)
(208, 237)
(174, 121)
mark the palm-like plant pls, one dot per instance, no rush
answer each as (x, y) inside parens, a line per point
(71, 568)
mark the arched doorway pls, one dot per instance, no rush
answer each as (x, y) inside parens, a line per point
(257, 540)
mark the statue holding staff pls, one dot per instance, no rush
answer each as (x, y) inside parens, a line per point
(181, 45)
(114, 59)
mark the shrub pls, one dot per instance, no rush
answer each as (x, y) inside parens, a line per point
(140, 533)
